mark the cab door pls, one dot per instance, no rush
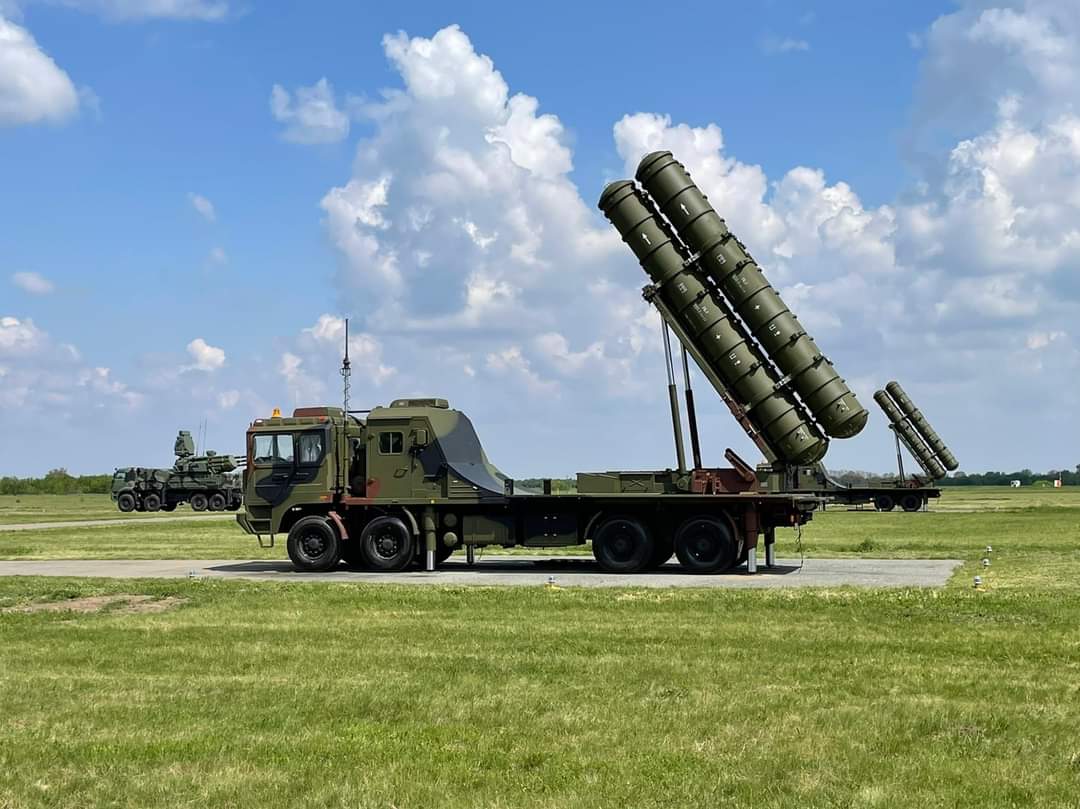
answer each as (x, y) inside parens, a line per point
(388, 460)
(269, 477)
(291, 468)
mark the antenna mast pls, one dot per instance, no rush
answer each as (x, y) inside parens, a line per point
(346, 370)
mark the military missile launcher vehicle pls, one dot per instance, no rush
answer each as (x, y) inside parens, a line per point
(410, 482)
(206, 481)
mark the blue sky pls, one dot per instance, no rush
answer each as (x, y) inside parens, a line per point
(178, 238)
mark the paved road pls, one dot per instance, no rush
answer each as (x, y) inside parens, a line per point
(37, 526)
(517, 570)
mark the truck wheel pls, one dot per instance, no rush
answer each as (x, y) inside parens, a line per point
(313, 544)
(198, 502)
(623, 545)
(911, 502)
(216, 502)
(152, 502)
(387, 544)
(884, 502)
(705, 545)
(125, 501)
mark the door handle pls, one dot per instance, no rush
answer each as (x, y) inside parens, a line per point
(281, 476)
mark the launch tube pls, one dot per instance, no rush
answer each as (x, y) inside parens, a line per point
(740, 279)
(718, 336)
(918, 420)
(910, 437)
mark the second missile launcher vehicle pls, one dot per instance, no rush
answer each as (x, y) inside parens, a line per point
(207, 482)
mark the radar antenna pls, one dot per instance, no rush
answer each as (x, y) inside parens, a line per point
(346, 369)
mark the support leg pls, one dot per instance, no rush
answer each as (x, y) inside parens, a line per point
(770, 547)
(470, 555)
(751, 560)
(429, 540)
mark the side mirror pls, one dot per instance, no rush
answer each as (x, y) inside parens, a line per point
(420, 438)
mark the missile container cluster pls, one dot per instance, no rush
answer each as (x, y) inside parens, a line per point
(915, 432)
(716, 298)
(781, 388)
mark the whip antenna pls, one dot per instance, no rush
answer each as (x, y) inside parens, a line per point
(346, 369)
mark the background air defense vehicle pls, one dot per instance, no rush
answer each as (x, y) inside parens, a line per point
(206, 481)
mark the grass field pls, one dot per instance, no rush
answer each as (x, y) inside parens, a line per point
(267, 694)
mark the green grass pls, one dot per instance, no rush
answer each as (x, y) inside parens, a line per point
(344, 695)
(31, 508)
(269, 694)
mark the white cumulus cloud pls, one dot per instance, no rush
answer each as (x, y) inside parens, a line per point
(310, 114)
(206, 357)
(33, 88)
(203, 206)
(32, 282)
(204, 10)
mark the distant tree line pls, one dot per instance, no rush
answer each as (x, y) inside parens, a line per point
(1025, 476)
(57, 481)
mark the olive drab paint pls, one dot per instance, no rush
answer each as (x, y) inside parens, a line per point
(725, 260)
(909, 436)
(907, 407)
(705, 318)
(915, 431)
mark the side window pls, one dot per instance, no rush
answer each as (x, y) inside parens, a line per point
(273, 449)
(310, 447)
(284, 452)
(391, 443)
(264, 448)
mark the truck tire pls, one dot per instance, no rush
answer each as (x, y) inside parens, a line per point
(705, 545)
(216, 502)
(911, 502)
(125, 501)
(884, 502)
(313, 544)
(198, 502)
(152, 502)
(623, 545)
(387, 544)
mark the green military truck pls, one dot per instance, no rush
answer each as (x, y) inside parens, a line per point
(207, 482)
(410, 483)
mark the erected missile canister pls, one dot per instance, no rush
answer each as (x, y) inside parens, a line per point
(718, 336)
(739, 278)
(948, 460)
(908, 435)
